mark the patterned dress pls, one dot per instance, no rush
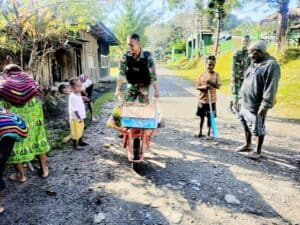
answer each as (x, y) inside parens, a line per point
(19, 94)
(36, 142)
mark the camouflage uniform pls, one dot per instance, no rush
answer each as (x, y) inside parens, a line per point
(241, 62)
(140, 91)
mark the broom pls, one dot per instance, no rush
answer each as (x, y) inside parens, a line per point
(212, 117)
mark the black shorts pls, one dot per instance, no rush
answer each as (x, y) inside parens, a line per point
(89, 91)
(203, 109)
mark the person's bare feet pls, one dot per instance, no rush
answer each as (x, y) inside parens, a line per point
(1, 208)
(244, 148)
(254, 155)
(45, 172)
(17, 177)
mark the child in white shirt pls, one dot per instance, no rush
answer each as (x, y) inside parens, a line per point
(76, 113)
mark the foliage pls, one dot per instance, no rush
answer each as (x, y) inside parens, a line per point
(132, 18)
(37, 28)
(289, 55)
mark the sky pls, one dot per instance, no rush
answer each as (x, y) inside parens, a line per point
(256, 11)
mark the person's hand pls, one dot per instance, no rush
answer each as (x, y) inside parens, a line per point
(118, 96)
(262, 112)
(156, 94)
(86, 99)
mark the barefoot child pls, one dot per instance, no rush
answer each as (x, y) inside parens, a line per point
(76, 113)
(207, 82)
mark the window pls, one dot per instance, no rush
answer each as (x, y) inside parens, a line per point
(104, 61)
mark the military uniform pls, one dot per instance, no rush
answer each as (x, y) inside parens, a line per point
(241, 62)
(137, 69)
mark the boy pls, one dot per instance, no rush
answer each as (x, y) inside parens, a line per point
(76, 113)
(208, 82)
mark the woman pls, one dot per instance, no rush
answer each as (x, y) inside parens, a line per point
(12, 129)
(20, 94)
(87, 91)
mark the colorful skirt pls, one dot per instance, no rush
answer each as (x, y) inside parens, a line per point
(36, 143)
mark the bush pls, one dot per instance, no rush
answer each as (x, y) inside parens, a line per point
(289, 54)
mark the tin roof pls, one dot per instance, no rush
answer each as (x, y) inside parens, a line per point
(101, 32)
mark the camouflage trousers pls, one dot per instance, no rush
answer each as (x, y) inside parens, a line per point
(137, 91)
(235, 89)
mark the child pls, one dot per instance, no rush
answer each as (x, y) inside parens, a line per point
(207, 82)
(76, 113)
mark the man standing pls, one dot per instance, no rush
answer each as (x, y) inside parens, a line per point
(257, 96)
(137, 67)
(240, 64)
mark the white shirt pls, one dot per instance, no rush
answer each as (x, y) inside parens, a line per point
(76, 104)
(86, 84)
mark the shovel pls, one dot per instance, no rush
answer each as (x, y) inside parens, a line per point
(212, 117)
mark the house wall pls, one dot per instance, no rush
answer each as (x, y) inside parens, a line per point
(89, 57)
(103, 50)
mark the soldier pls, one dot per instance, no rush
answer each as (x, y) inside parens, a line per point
(137, 67)
(240, 64)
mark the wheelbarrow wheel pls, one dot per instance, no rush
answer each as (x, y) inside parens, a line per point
(136, 153)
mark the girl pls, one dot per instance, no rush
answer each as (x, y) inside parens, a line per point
(207, 82)
(87, 91)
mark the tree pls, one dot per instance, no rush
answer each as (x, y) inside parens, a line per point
(33, 29)
(132, 18)
(217, 10)
(282, 21)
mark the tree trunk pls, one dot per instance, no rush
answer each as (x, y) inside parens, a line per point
(217, 34)
(281, 35)
(33, 55)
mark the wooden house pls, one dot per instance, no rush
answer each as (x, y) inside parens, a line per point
(88, 53)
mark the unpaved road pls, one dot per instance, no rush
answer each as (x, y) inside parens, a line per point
(183, 181)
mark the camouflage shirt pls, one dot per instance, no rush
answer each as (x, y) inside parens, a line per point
(123, 65)
(241, 62)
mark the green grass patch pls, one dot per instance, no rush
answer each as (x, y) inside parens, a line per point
(98, 103)
(288, 97)
(106, 97)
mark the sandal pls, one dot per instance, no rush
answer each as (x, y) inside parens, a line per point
(14, 177)
(254, 155)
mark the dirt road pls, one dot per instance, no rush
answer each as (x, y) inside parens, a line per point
(183, 181)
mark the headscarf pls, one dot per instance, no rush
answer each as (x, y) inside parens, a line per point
(260, 45)
(18, 88)
(12, 126)
(83, 77)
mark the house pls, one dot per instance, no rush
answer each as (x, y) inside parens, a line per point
(196, 43)
(88, 53)
(293, 25)
(178, 50)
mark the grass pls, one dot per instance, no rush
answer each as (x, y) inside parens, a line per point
(288, 96)
(98, 103)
